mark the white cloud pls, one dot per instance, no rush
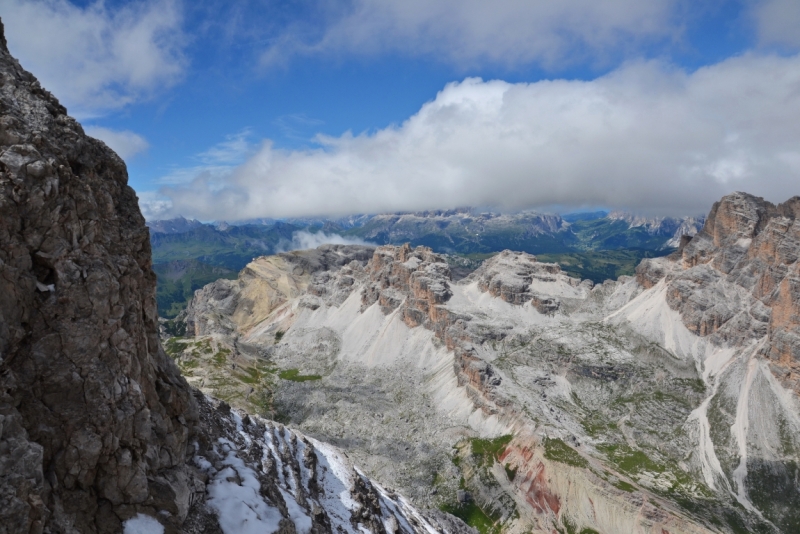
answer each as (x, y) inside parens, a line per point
(507, 32)
(125, 143)
(216, 163)
(97, 58)
(778, 22)
(303, 240)
(233, 150)
(646, 137)
(154, 206)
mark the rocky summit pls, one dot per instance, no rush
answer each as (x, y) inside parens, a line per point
(522, 399)
(99, 432)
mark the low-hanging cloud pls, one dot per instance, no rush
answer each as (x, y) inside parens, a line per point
(304, 240)
(99, 57)
(646, 137)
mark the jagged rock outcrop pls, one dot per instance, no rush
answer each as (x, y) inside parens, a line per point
(95, 416)
(737, 279)
(99, 432)
(417, 280)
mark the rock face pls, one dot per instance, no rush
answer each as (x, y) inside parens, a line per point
(267, 283)
(99, 432)
(737, 279)
(94, 413)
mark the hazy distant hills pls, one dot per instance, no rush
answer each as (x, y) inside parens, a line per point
(188, 254)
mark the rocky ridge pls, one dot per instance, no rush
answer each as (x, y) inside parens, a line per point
(99, 432)
(738, 279)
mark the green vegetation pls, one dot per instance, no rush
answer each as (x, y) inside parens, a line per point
(175, 328)
(624, 486)
(472, 514)
(599, 265)
(177, 282)
(630, 460)
(570, 528)
(278, 336)
(558, 451)
(174, 346)
(489, 448)
(187, 261)
(295, 376)
(595, 424)
(593, 247)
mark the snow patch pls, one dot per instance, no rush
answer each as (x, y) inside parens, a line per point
(142, 524)
(234, 493)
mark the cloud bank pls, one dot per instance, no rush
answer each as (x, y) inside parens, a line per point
(646, 137)
(97, 58)
(304, 240)
(463, 32)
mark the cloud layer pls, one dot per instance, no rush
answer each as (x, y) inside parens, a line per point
(645, 137)
(96, 59)
(304, 240)
(467, 31)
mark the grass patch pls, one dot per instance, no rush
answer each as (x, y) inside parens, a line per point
(295, 376)
(174, 346)
(624, 486)
(570, 528)
(629, 460)
(510, 473)
(472, 514)
(489, 447)
(220, 358)
(279, 336)
(558, 451)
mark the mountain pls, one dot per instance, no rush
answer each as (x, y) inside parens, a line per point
(99, 431)
(522, 399)
(188, 254)
(178, 225)
(597, 246)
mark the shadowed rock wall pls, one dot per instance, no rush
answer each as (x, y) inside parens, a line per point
(94, 418)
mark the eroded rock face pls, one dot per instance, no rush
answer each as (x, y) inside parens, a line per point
(236, 306)
(93, 411)
(416, 279)
(509, 275)
(737, 279)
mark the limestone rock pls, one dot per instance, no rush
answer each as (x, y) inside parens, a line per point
(737, 279)
(93, 409)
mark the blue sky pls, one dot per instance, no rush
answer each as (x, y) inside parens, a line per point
(228, 110)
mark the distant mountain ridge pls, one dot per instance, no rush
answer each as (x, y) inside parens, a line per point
(595, 245)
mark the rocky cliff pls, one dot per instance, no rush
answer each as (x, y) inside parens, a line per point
(739, 279)
(96, 418)
(99, 432)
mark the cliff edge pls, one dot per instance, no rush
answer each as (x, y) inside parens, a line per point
(95, 418)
